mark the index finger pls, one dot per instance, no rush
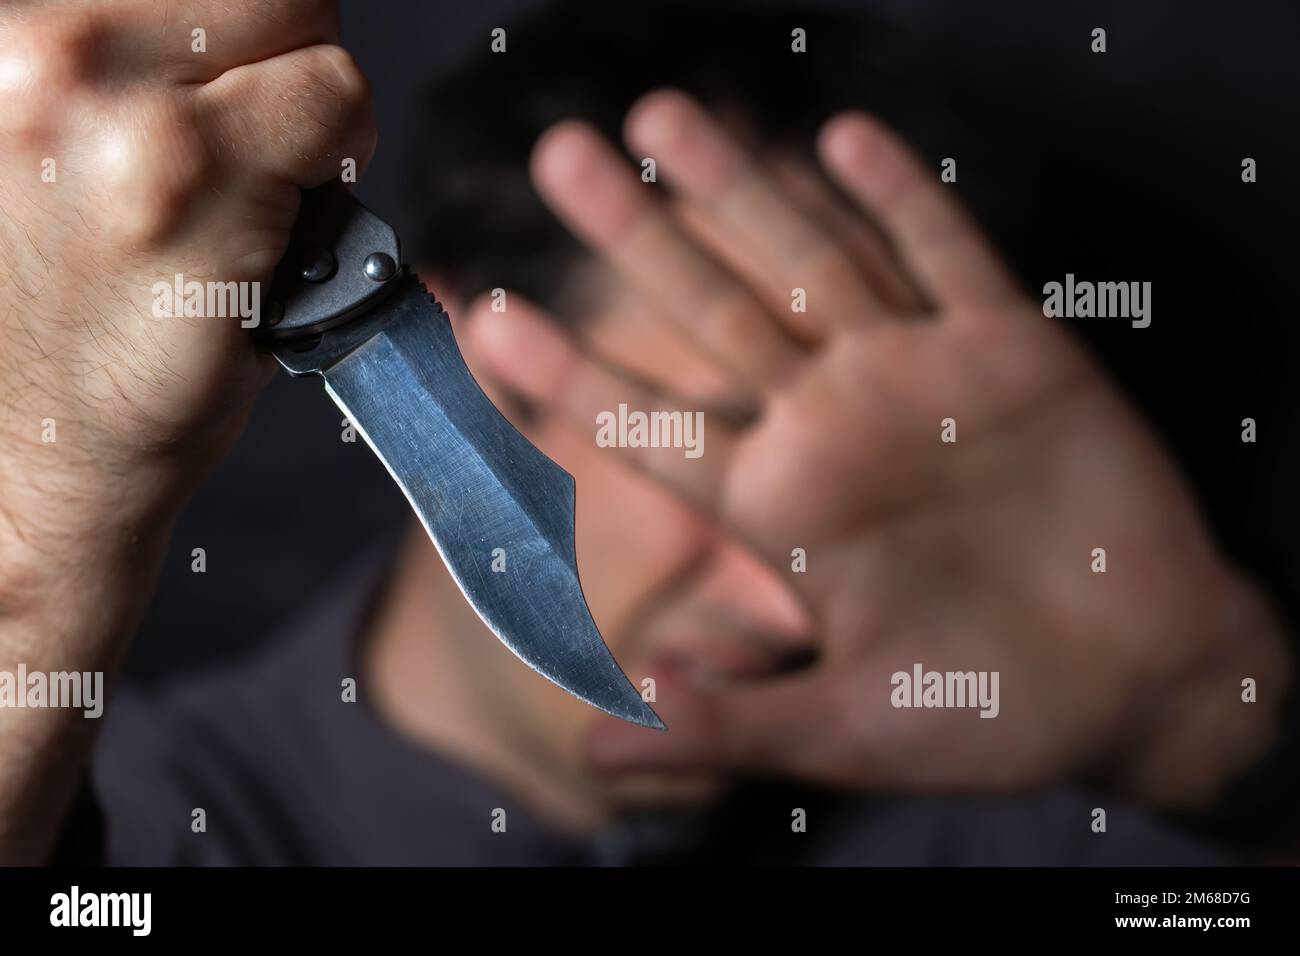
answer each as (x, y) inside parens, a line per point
(597, 195)
(199, 40)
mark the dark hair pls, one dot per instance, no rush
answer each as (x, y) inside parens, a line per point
(482, 223)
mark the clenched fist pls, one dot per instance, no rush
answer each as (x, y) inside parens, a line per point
(139, 142)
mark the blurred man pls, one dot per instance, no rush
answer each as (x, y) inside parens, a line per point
(904, 469)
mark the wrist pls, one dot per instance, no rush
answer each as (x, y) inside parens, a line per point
(79, 555)
(69, 531)
(1220, 712)
(98, 456)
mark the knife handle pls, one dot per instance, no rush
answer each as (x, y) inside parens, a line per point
(341, 260)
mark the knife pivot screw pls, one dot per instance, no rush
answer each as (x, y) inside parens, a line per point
(318, 265)
(379, 267)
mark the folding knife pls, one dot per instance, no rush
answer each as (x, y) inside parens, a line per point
(344, 307)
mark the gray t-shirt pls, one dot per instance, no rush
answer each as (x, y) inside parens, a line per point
(285, 772)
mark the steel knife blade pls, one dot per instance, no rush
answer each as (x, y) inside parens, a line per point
(342, 306)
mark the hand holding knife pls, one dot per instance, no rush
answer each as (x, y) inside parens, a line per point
(141, 147)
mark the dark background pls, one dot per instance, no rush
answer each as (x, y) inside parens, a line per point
(1127, 167)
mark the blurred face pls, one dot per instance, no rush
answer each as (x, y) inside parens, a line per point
(674, 597)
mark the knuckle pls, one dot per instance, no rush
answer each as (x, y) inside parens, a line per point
(42, 63)
(56, 53)
(157, 168)
(336, 81)
(335, 98)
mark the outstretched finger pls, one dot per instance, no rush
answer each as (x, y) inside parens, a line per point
(936, 238)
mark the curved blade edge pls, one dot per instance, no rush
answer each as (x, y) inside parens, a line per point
(500, 512)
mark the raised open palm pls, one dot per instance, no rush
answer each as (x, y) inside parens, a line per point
(946, 459)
